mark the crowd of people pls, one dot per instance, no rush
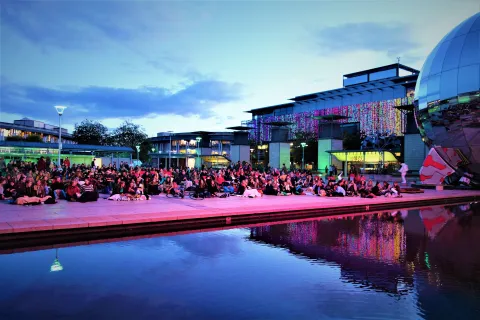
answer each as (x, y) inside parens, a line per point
(38, 183)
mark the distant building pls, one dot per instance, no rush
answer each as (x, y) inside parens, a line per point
(27, 127)
(377, 101)
(14, 146)
(191, 149)
(367, 97)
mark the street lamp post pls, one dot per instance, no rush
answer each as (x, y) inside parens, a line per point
(60, 110)
(198, 147)
(303, 144)
(170, 151)
(138, 153)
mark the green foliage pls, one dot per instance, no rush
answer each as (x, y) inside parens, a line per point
(91, 132)
(145, 148)
(14, 138)
(352, 141)
(129, 134)
(311, 150)
(34, 138)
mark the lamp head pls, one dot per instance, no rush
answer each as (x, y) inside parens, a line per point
(303, 144)
(198, 139)
(60, 109)
(138, 148)
(153, 149)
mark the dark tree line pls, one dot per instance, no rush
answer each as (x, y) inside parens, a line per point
(128, 134)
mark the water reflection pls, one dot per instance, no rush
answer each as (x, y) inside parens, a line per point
(429, 252)
(416, 264)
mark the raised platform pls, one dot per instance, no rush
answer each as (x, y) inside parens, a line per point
(20, 225)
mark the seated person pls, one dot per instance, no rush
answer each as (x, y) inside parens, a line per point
(339, 191)
(270, 189)
(29, 195)
(73, 191)
(245, 191)
(171, 187)
(318, 187)
(201, 185)
(352, 189)
(395, 190)
(377, 190)
(40, 189)
(167, 185)
(228, 187)
(58, 188)
(286, 187)
(212, 188)
(9, 190)
(88, 192)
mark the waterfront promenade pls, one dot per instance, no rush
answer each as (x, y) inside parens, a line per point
(104, 214)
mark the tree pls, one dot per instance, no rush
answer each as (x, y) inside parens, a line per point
(34, 138)
(352, 141)
(14, 138)
(129, 134)
(311, 150)
(91, 132)
(145, 148)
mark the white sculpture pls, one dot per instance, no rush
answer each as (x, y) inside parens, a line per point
(403, 170)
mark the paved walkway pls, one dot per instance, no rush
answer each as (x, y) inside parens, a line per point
(68, 215)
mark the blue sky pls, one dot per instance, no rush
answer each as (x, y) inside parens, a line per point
(198, 65)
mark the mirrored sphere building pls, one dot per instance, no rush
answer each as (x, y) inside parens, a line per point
(447, 96)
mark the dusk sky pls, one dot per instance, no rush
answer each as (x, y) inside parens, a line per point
(182, 66)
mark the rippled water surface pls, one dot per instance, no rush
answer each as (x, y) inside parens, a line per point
(416, 264)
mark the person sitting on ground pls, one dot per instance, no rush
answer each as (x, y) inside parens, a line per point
(9, 190)
(58, 188)
(377, 190)
(352, 190)
(131, 190)
(40, 189)
(318, 186)
(212, 187)
(167, 185)
(286, 187)
(270, 189)
(396, 190)
(29, 196)
(330, 188)
(88, 192)
(339, 191)
(246, 191)
(73, 191)
(3, 183)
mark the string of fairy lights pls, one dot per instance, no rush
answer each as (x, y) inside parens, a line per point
(373, 117)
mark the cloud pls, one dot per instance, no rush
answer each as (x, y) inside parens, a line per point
(195, 98)
(393, 38)
(67, 24)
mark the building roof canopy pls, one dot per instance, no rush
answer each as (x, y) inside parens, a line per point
(367, 156)
(65, 147)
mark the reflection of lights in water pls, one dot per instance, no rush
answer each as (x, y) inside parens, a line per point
(427, 261)
(56, 265)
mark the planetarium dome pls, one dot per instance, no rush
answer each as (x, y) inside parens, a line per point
(447, 96)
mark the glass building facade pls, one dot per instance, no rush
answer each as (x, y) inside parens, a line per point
(447, 95)
(368, 97)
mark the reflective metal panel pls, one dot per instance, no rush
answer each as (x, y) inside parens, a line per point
(447, 106)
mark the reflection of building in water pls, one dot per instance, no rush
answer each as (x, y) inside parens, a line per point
(433, 249)
(447, 258)
(376, 240)
(367, 251)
